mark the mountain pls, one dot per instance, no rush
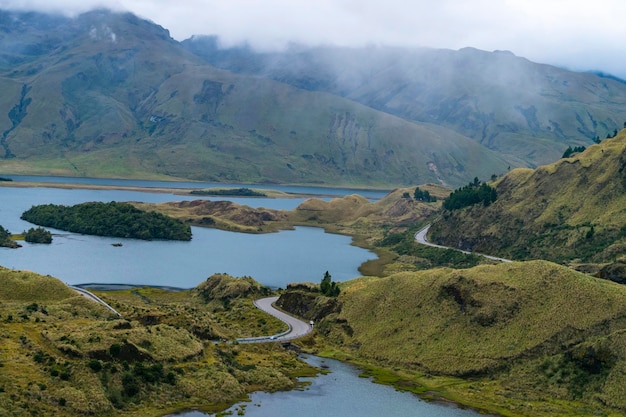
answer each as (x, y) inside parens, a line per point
(569, 211)
(528, 112)
(108, 94)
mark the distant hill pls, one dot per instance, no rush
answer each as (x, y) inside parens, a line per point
(527, 112)
(569, 211)
(109, 94)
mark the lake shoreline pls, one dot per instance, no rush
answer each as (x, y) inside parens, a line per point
(186, 191)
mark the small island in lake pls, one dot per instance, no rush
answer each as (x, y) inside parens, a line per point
(38, 235)
(109, 219)
(230, 192)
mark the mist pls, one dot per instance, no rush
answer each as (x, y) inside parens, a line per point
(576, 35)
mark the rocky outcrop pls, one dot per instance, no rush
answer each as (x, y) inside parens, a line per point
(308, 304)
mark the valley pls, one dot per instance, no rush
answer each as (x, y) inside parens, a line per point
(451, 222)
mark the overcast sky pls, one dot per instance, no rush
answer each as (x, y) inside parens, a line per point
(580, 35)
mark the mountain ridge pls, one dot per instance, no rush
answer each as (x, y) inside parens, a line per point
(118, 97)
(527, 111)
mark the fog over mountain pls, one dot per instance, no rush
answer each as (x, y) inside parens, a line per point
(575, 35)
(523, 110)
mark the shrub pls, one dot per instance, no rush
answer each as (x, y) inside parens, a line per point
(95, 365)
(115, 350)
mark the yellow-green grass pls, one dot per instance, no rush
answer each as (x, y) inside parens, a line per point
(570, 211)
(57, 354)
(508, 338)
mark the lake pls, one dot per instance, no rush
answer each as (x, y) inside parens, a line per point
(340, 393)
(274, 259)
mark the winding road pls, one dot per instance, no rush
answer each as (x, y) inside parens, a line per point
(94, 297)
(420, 237)
(297, 327)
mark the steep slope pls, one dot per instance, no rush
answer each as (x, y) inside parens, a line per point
(110, 94)
(531, 338)
(569, 211)
(526, 111)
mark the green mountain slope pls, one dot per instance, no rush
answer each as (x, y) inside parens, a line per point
(569, 211)
(526, 111)
(114, 95)
(526, 338)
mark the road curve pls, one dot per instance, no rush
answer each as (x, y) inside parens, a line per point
(297, 327)
(95, 298)
(420, 237)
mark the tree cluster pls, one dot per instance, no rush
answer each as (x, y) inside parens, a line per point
(423, 195)
(108, 219)
(473, 193)
(571, 151)
(328, 287)
(38, 235)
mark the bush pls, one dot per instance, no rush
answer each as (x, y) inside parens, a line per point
(95, 365)
(130, 384)
(115, 350)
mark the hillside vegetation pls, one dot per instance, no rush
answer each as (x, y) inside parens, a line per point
(64, 355)
(569, 211)
(531, 338)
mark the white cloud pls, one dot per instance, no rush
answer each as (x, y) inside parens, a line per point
(576, 34)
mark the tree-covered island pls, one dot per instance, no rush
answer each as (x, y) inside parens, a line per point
(108, 219)
(6, 240)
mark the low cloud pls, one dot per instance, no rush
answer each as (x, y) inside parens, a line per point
(575, 34)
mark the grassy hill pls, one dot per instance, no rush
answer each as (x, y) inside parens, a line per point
(525, 338)
(569, 211)
(113, 95)
(64, 355)
(526, 111)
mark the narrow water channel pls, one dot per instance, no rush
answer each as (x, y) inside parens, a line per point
(340, 393)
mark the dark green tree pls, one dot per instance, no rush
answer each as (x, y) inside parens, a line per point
(422, 195)
(469, 195)
(328, 287)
